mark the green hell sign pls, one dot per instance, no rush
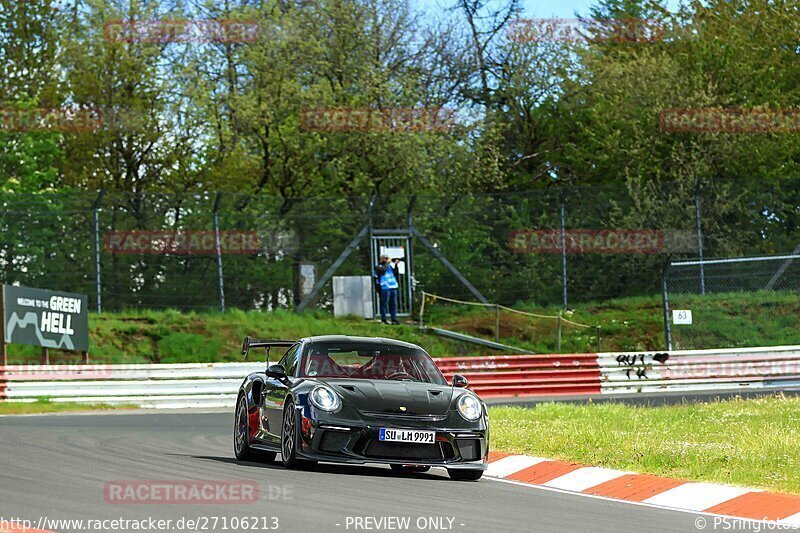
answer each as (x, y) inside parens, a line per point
(49, 319)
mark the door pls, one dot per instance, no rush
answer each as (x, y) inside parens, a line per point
(275, 396)
(395, 244)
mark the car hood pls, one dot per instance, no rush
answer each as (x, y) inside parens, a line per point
(389, 396)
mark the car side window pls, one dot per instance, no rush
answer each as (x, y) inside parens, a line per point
(293, 360)
(290, 359)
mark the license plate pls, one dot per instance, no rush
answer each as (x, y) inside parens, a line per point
(407, 435)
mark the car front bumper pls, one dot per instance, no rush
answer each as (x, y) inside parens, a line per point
(334, 441)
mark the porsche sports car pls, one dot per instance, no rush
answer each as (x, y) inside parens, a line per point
(359, 400)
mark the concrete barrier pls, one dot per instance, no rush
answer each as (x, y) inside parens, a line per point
(156, 385)
(700, 370)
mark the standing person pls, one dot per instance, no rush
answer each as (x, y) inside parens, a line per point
(386, 278)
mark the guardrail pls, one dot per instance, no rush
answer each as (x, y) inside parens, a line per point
(157, 385)
(700, 370)
(216, 384)
(523, 375)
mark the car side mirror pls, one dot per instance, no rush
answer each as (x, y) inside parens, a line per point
(278, 372)
(460, 381)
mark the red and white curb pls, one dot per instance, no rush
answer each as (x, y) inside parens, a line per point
(669, 493)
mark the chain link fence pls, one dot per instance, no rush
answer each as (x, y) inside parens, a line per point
(732, 303)
(560, 246)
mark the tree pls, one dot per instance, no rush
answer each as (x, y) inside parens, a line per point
(30, 47)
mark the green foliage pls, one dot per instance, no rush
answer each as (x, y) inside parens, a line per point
(182, 347)
(228, 115)
(182, 120)
(29, 48)
(729, 320)
(626, 324)
(145, 336)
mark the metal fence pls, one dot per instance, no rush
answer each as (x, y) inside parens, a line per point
(729, 303)
(561, 246)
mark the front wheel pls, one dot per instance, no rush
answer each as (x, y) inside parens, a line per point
(241, 437)
(288, 437)
(464, 475)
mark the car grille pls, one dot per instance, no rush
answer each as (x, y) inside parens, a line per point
(470, 449)
(401, 416)
(400, 450)
(333, 441)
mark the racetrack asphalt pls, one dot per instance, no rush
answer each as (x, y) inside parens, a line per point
(57, 466)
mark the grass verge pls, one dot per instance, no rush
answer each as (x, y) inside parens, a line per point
(626, 324)
(753, 442)
(147, 336)
(735, 319)
(44, 405)
(170, 336)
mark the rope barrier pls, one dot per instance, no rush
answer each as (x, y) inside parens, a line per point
(435, 297)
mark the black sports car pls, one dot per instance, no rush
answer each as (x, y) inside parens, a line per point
(360, 400)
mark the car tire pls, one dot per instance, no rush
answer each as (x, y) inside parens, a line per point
(288, 436)
(459, 474)
(410, 469)
(241, 437)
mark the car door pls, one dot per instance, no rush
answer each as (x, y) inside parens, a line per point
(275, 395)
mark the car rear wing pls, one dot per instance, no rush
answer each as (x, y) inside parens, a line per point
(263, 343)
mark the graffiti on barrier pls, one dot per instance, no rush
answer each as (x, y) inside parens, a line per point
(637, 365)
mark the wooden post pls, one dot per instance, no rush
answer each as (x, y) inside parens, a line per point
(559, 332)
(497, 323)
(422, 311)
(45, 356)
(598, 339)
(85, 358)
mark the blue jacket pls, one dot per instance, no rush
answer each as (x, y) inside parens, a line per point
(386, 276)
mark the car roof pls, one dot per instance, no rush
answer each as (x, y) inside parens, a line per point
(350, 338)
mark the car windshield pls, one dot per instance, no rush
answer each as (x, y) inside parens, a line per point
(369, 360)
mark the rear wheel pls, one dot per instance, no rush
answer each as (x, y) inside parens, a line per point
(410, 469)
(458, 474)
(241, 437)
(288, 437)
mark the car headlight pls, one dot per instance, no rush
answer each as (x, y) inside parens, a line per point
(324, 398)
(469, 407)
